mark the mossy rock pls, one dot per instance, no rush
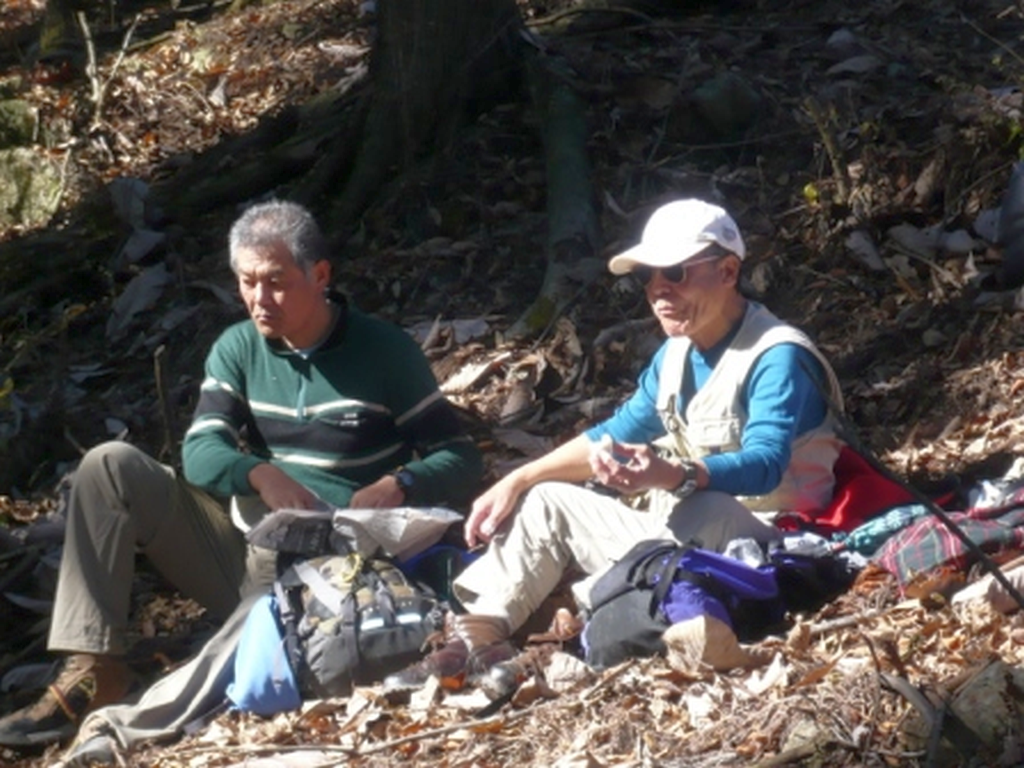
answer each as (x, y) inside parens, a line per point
(19, 123)
(30, 188)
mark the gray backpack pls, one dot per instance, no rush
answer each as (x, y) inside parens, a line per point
(349, 620)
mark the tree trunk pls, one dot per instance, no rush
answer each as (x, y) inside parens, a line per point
(435, 64)
(573, 237)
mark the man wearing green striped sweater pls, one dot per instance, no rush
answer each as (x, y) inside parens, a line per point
(307, 404)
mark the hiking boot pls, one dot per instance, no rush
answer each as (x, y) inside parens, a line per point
(453, 664)
(87, 682)
(503, 679)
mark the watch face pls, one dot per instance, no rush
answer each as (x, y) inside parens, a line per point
(405, 478)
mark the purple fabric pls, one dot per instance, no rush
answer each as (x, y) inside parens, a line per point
(734, 575)
(686, 600)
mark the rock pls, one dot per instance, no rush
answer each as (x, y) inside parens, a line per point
(932, 338)
(857, 65)
(986, 719)
(720, 109)
(991, 705)
(843, 44)
(705, 641)
(860, 244)
(728, 103)
(801, 733)
(30, 187)
(19, 123)
(1011, 232)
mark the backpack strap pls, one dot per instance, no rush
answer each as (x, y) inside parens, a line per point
(286, 599)
(383, 597)
(669, 569)
(322, 590)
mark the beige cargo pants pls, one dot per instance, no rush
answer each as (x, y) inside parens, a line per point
(559, 525)
(122, 502)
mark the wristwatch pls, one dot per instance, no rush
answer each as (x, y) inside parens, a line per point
(406, 481)
(689, 482)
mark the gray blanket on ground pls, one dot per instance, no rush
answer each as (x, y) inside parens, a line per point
(178, 698)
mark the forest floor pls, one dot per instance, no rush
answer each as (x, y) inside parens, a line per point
(864, 150)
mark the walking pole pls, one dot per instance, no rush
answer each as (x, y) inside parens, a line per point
(848, 434)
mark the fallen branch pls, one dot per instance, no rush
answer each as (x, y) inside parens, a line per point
(162, 392)
(99, 89)
(472, 725)
(939, 719)
(90, 52)
(825, 627)
(262, 749)
(554, 18)
(995, 41)
(824, 126)
(609, 676)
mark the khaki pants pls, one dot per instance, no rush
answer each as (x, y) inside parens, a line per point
(122, 502)
(559, 525)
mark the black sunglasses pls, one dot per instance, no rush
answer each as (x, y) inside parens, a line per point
(674, 274)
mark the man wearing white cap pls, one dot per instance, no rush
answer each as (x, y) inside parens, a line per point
(727, 428)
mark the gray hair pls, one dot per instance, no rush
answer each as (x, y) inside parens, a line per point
(279, 221)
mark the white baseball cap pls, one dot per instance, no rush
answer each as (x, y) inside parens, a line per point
(677, 232)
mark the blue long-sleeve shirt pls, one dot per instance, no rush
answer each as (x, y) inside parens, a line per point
(781, 398)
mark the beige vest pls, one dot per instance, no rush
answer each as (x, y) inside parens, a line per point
(715, 416)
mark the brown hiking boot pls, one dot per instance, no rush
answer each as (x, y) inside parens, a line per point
(87, 682)
(453, 664)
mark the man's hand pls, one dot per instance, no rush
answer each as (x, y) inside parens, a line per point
(382, 494)
(491, 509)
(279, 491)
(631, 468)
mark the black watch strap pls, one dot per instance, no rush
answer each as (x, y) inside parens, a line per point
(406, 480)
(689, 482)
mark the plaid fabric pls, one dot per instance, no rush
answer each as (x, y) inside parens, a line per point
(866, 539)
(928, 544)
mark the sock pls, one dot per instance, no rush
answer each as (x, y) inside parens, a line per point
(476, 630)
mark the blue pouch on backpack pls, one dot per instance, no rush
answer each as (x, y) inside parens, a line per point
(264, 682)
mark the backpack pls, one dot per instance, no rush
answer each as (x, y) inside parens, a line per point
(351, 620)
(331, 622)
(661, 582)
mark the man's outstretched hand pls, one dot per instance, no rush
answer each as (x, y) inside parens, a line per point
(491, 509)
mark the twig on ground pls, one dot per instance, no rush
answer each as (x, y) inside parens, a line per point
(824, 125)
(1006, 48)
(554, 18)
(122, 52)
(58, 194)
(99, 88)
(825, 627)
(90, 66)
(609, 676)
(469, 725)
(160, 375)
(75, 443)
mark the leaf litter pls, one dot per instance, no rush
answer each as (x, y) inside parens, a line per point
(866, 216)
